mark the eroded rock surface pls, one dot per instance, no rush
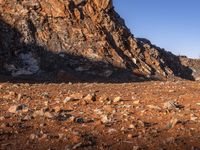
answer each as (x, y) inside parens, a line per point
(82, 36)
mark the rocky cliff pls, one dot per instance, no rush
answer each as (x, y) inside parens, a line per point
(80, 36)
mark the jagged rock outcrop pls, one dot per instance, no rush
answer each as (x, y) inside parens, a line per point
(85, 36)
(194, 65)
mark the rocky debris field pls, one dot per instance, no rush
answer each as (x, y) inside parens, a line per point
(69, 116)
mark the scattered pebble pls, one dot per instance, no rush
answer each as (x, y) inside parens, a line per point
(17, 108)
(154, 107)
(103, 99)
(68, 99)
(172, 123)
(117, 99)
(136, 102)
(90, 98)
(48, 115)
(130, 136)
(172, 105)
(193, 117)
(131, 126)
(111, 131)
(79, 120)
(105, 119)
(77, 96)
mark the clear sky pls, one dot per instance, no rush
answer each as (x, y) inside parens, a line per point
(170, 24)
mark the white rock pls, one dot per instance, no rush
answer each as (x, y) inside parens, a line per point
(105, 119)
(30, 65)
(68, 99)
(110, 131)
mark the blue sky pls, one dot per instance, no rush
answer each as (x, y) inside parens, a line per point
(170, 24)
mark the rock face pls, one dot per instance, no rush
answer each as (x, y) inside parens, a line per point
(194, 65)
(82, 36)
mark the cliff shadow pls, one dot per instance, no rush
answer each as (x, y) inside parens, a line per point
(54, 67)
(63, 67)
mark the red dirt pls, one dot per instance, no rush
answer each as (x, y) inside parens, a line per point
(137, 121)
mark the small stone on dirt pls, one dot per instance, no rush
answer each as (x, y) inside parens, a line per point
(105, 119)
(130, 136)
(90, 97)
(48, 115)
(68, 99)
(38, 113)
(131, 126)
(103, 99)
(153, 107)
(79, 120)
(172, 123)
(77, 96)
(16, 108)
(33, 137)
(117, 99)
(136, 102)
(172, 105)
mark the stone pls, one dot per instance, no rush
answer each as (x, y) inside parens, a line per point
(77, 96)
(103, 99)
(10, 95)
(2, 118)
(38, 113)
(136, 102)
(17, 108)
(193, 117)
(90, 97)
(57, 109)
(154, 107)
(135, 148)
(108, 108)
(43, 137)
(26, 118)
(3, 125)
(111, 131)
(31, 65)
(19, 96)
(79, 120)
(117, 99)
(33, 137)
(172, 123)
(131, 126)
(105, 119)
(48, 115)
(130, 136)
(13, 109)
(172, 105)
(46, 103)
(63, 117)
(68, 99)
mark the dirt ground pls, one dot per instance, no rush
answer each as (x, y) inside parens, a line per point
(127, 116)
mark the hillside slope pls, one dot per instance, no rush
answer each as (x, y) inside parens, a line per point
(77, 36)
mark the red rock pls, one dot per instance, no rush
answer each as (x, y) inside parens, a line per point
(66, 35)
